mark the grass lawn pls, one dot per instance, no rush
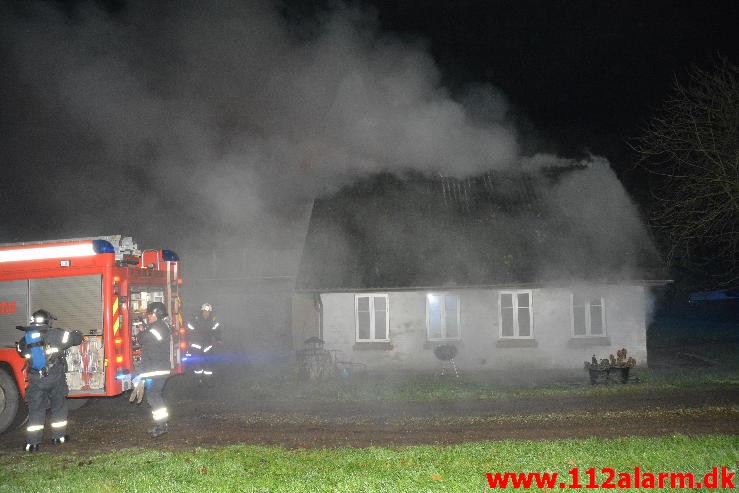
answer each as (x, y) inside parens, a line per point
(402, 469)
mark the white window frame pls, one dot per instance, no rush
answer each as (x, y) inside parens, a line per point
(372, 297)
(587, 311)
(444, 336)
(516, 330)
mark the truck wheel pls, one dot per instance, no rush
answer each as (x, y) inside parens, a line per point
(11, 406)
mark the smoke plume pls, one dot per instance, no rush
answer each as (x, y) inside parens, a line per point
(189, 122)
(220, 116)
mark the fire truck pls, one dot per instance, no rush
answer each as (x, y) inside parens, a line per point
(100, 286)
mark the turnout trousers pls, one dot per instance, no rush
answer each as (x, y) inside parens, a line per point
(154, 398)
(41, 390)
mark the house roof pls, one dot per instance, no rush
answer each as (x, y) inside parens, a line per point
(502, 228)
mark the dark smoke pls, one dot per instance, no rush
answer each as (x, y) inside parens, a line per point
(220, 116)
(192, 123)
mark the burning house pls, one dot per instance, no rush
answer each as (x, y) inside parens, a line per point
(536, 267)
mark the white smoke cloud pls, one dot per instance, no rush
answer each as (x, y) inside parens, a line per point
(224, 113)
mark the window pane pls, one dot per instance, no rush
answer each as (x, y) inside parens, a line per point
(363, 323)
(523, 300)
(434, 316)
(451, 314)
(380, 327)
(380, 303)
(363, 304)
(596, 320)
(506, 300)
(450, 303)
(578, 315)
(433, 301)
(506, 316)
(524, 322)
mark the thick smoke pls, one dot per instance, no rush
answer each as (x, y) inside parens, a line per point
(188, 124)
(188, 121)
(223, 114)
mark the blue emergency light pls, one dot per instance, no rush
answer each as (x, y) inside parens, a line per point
(170, 256)
(102, 246)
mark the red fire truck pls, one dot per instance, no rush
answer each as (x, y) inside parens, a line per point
(100, 286)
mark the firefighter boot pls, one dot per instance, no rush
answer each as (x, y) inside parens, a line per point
(61, 440)
(159, 430)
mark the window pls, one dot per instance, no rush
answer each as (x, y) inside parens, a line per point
(442, 316)
(371, 315)
(588, 315)
(514, 314)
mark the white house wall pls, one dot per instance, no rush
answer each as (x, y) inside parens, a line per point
(480, 346)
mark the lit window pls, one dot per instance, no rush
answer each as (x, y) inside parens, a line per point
(442, 316)
(588, 315)
(371, 315)
(515, 317)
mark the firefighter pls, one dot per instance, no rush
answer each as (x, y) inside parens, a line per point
(45, 348)
(204, 334)
(156, 340)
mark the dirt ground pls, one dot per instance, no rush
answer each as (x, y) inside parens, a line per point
(203, 417)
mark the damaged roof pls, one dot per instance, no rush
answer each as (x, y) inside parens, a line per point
(502, 228)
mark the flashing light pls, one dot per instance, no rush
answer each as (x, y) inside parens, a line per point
(116, 278)
(118, 340)
(170, 256)
(119, 359)
(57, 251)
(102, 246)
(182, 330)
(183, 346)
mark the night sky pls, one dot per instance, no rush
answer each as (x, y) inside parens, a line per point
(574, 78)
(583, 74)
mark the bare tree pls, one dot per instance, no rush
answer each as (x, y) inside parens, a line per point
(690, 149)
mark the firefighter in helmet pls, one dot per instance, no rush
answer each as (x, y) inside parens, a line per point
(44, 349)
(204, 334)
(156, 340)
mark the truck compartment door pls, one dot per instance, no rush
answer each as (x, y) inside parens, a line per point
(13, 310)
(77, 303)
